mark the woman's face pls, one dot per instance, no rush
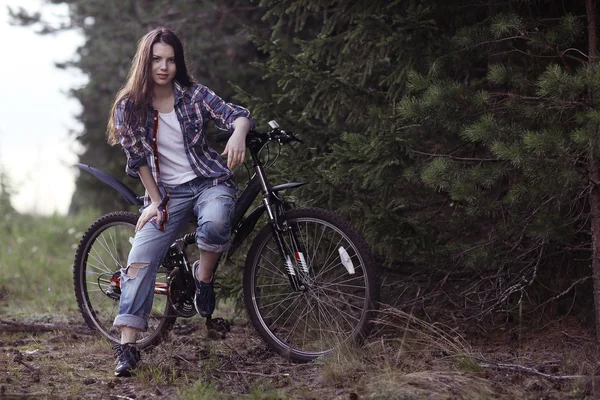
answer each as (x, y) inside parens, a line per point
(163, 64)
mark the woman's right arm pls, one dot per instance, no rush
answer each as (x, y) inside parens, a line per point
(152, 188)
(130, 139)
(137, 165)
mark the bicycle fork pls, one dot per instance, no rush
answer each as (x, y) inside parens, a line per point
(293, 255)
(275, 208)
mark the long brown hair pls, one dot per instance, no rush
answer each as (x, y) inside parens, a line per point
(139, 85)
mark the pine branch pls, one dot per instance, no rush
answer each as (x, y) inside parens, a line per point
(564, 292)
(457, 158)
(534, 99)
(576, 50)
(500, 40)
(521, 368)
(560, 55)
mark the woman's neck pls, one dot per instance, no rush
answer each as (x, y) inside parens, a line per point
(162, 99)
(162, 92)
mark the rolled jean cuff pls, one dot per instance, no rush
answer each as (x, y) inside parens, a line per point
(132, 321)
(213, 248)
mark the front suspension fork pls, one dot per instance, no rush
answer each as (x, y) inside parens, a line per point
(292, 255)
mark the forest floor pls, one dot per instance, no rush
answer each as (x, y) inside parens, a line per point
(46, 359)
(45, 353)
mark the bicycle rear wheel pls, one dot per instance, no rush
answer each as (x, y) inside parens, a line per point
(102, 252)
(336, 267)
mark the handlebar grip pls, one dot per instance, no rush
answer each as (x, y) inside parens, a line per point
(222, 137)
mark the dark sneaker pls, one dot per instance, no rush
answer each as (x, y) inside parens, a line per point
(204, 300)
(127, 356)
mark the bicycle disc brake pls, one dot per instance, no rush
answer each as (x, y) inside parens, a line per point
(181, 299)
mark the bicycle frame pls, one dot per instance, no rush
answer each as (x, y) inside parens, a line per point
(270, 202)
(274, 205)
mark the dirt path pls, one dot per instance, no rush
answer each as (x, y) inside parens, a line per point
(68, 361)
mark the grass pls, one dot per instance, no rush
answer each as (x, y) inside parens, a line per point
(36, 260)
(201, 391)
(410, 359)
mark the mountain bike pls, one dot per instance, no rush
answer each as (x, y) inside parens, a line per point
(309, 279)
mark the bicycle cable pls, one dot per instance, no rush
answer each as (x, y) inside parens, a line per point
(274, 160)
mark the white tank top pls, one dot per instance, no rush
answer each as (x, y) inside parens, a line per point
(174, 165)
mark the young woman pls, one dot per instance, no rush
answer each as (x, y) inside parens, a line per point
(159, 118)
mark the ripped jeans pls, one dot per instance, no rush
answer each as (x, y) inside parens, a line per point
(211, 205)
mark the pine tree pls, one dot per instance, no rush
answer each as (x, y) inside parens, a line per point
(454, 134)
(341, 68)
(460, 137)
(219, 53)
(519, 145)
(5, 193)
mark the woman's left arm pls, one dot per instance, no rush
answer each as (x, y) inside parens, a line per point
(235, 150)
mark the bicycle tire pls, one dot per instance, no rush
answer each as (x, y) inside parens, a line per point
(304, 325)
(102, 251)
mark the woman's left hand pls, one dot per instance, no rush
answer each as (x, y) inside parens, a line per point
(235, 150)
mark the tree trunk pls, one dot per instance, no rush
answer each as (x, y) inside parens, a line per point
(593, 172)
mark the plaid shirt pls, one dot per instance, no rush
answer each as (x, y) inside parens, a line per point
(194, 106)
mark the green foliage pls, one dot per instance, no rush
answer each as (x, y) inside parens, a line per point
(202, 391)
(339, 80)
(555, 83)
(218, 49)
(483, 124)
(511, 157)
(36, 256)
(450, 133)
(5, 193)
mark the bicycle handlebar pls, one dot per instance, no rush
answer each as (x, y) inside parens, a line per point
(274, 135)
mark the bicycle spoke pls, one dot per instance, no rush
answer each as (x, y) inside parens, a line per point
(332, 334)
(272, 285)
(337, 309)
(97, 273)
(326, 268)
(342, 283)
(290, 314)
(298, 319)
(345, 294)
(332, 306)
(288, 307)
(96, 290)
(108, 245)
(99, 260)
(275, 304)
(106, 248)
(309, 315)
(277, 274)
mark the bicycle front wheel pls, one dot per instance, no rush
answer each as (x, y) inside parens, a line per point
(102, 252)
(336, 270)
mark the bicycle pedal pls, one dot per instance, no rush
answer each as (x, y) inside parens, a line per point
(218, 324)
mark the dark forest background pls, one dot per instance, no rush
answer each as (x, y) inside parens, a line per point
(460, 137)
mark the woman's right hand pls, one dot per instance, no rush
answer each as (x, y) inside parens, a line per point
(147, 214)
